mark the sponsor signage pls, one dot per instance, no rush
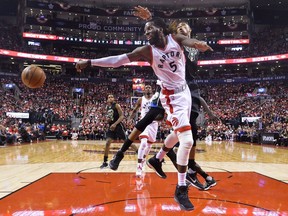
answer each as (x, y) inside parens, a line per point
(267, 138)
(86, 40)
(136, 42)
(17, 115)
(244, 60)
(40, 36)
(204, 62)
(250, 119)
(233, 41)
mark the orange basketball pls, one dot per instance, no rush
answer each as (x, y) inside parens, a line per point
(33, 76)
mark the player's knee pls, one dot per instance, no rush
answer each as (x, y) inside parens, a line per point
(186, 139)
(144, 140)
(143, 143)
(186, 143)
(160, 116)
(143, 123)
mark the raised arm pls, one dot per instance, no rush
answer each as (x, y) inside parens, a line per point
(194, 43)
(140, 53)
(142, 12)
(208, 110)
(136, 108)
(110, 61)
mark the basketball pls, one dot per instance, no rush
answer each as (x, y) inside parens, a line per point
(33, 76)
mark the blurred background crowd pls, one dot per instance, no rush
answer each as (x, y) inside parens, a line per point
(248, 98)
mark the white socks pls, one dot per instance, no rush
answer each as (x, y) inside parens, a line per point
(182, 179)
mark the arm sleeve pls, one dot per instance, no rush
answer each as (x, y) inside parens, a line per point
(111, 61)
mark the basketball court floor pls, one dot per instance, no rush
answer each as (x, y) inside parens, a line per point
(64, 178)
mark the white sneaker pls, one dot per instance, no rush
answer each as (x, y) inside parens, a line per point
(139, 171)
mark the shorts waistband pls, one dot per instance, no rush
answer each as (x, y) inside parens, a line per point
(174, 91)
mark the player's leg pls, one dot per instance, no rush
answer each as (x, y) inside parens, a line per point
(115, 162)
(106, 152)
(141, 153)
(134, 147)
(172, 156)
(178, 108)
(147, 150)
(147, 138)
(153, 113)
(156, 161)
(193, 167)
(152, 130)
(140, 127)
(181, 192)
(191, 177)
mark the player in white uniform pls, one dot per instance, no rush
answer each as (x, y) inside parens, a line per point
(191, 68)
(165, 54)
(148, 136)
(169, 66)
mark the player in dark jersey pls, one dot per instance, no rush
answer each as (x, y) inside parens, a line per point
(191, 69)
(116, 128)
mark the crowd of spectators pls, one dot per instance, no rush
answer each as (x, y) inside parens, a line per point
(54, 108)
(231, 103)
(17, 132)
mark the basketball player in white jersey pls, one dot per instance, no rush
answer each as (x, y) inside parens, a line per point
(148, 136)
(192, 55)
(165, 55)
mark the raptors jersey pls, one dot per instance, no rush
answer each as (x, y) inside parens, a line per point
(150, 131)
(169, 64)
(145, 106)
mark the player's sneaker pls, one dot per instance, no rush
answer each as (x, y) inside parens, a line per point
(104, 165)
(209, 184)
(114, 163)
(181, 197)
(155, 164)
(192, 180)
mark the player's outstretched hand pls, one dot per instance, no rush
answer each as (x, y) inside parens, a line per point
(142, 12)
(202, 46)
(80, 65)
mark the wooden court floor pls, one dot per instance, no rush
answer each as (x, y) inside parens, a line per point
(64, 178)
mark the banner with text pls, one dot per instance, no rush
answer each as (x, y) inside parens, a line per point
(17, 115)
(94, 26)
(58, 6)
(117, 42)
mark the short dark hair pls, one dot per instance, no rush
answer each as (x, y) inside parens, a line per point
(158, 22)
